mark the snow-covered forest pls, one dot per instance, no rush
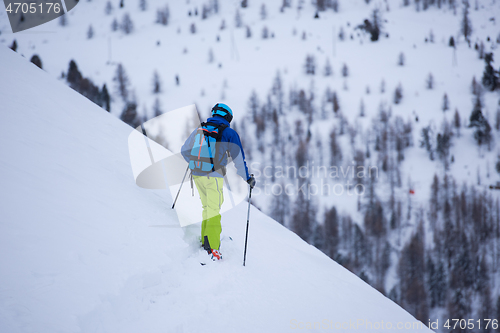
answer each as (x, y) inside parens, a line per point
(373, 127)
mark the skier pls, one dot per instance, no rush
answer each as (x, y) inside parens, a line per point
(207, 150)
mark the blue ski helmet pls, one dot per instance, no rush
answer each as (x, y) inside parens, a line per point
(223, 111)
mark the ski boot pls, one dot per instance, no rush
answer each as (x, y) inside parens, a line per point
(216, 255)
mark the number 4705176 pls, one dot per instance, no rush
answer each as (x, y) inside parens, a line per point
(32, 8)
(471, 324)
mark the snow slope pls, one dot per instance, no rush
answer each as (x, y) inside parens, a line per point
(83, 249)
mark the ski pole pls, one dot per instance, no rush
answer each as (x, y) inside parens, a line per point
(248, 221)
(180, 187)
(192, 187)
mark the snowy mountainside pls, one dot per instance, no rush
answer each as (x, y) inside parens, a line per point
(242, 65)
(83, 249)
(215, 64)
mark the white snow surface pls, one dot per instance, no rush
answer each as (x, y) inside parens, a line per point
(83, 249)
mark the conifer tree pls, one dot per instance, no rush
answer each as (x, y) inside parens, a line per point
(398, 94)
(253, 106)
(465, 24)
(411, 277)
(328, 68)
(248, 32)
(277, 92)
(35, 59)
(129, 114)
(263, 12)
(451, 42)
(376, 24)
(362, 109)
(310, 65)
(105, 98)
(156, 83)
(482, 133)
(13, 46)
(163, 15)
(457, 123)
(335, 103)
(265, 32)
(285, 4)
(74, 77)
(122, 82)
(157, 111)
(205, 12)
(401, 59)
(280, 205)
(215, 6)
(341, 34)
(475, 87)
(497, 119)
(430, 81)
(445, 106)
(109, 8)
(211, 56)
(425, 141)
(238, 22)
(90, 32)
(443, 143)
(335, 150)
(331, 228)
(490, 76)
(345, 70)
(114, 25)
(127, 25)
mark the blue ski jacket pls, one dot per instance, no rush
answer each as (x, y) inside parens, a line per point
(230, 142)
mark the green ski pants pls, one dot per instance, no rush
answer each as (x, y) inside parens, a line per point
(210, 190)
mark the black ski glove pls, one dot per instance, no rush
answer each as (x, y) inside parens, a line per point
(251, 181)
